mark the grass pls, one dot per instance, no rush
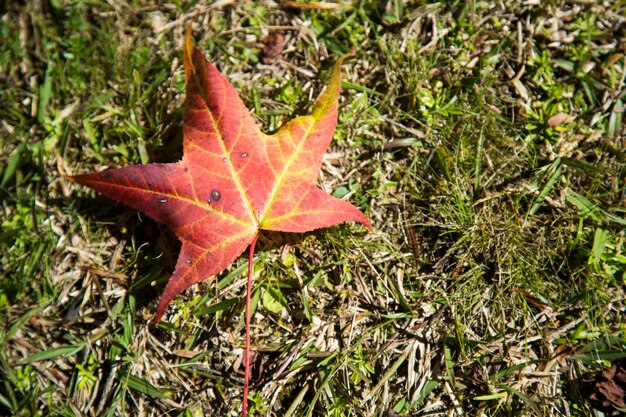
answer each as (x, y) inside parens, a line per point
(484, 143)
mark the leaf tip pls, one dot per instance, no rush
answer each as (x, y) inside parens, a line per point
(163, 303)
(70, 178)
(188, 48)
(158, 315)
(362, 218)
(347, 55)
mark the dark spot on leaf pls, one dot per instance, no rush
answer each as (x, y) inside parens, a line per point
(215, 195)
(244, 154)
(188, 261)
(208, 200)
(225, 159)
(186, 169)
(162, 200)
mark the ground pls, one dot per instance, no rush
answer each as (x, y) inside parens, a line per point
(484, 140)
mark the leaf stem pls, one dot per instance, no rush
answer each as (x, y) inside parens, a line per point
(246, 357)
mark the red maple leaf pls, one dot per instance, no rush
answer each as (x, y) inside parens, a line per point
(232, 181)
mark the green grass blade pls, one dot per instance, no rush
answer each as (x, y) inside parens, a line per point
(514, 368)
(426, 390)
(523, 397)
(141, 385)
(478, 163)
(23, 319)
(615, 119)
(15, 162)
(45, 93)
(221, 306)
(586, 207)
(53, 353)
(4, 401)
(556, 167)
(388, 375)
(296, 402)
(600, 239)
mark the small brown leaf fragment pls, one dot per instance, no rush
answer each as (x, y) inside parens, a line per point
(437, 71)
(559, 119)
(188, 354)
(313, 5)
(273, 49)
(610, 387)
